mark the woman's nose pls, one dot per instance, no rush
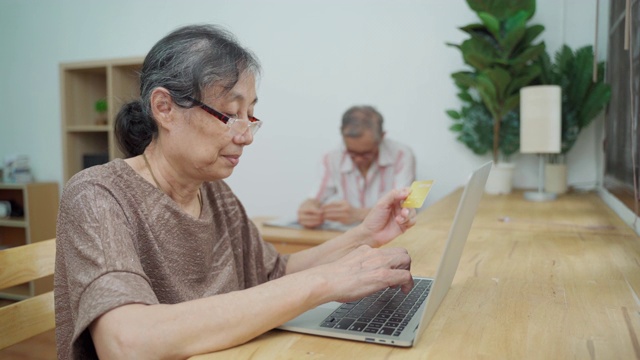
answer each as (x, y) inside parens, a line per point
(244, 138)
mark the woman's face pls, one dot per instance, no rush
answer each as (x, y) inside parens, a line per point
(208, 149)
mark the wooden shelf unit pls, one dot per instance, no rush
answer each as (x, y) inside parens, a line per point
(39, 201)
(82, 84)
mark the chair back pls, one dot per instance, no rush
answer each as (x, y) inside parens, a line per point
(35, 315)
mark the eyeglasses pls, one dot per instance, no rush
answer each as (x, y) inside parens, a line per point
(366, 154)
(238, 126)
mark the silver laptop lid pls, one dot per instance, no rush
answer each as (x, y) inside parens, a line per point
(455, 244)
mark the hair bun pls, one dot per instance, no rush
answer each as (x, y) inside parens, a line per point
(134, 130)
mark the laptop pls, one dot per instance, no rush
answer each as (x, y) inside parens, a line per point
(389, 316)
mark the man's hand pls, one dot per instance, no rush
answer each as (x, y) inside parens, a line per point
(310, 214)
(341, 211)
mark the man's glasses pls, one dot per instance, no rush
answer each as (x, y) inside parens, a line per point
(366, 155)
(237, 126)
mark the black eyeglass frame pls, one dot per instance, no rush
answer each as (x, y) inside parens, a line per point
(217, 114)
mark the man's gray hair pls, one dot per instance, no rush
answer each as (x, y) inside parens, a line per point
(358, 119)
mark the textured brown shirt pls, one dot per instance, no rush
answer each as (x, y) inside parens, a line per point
(120, 240)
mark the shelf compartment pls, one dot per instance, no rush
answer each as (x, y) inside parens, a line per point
(14, 195)
(84, 143)
(82, 88)
(87, 128)
(125, 85)
(12, 236)
(82, 84)
(39, 201)
(13, 222)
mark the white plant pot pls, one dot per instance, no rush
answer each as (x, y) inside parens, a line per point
(500, 179)
(555, 178)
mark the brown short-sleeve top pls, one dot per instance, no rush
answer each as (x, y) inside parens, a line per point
(120, 240)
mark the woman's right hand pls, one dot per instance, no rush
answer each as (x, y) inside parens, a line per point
(366, 270)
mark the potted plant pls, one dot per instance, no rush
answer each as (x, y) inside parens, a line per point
(101, 108)
(583, 98)
(501, 54)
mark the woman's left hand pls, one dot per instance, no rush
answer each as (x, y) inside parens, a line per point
(387, 219)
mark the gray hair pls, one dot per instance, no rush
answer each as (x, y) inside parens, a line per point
(185, 62)
(358, 119)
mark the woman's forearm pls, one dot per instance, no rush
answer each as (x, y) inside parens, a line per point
(326, 252)
(207, 324)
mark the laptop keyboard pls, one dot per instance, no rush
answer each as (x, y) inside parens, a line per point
(385, 312)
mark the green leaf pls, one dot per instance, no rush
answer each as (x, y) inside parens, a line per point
(491, 22)
(510, 103)
(528, 55)
(600, 71)
(477, 54)
(488, 92)
(464, 79)
(500, 79)
(503, 9)
(471, 28)
(510, 134)
(513, 32)
(596, 100)
(465, 96)
(454, 114)
(530, 34)
(524, 78)
(475, 131)
(486, 38)
(547, 75)
(564, 59)
(581, 75)
(570, 130)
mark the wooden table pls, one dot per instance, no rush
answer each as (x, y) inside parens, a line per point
(287, 240)
(554, 280)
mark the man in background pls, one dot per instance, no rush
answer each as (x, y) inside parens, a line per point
(357, 174)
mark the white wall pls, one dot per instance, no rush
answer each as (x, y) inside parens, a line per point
(319, 58)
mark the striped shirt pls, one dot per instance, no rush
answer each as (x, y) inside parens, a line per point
(395, 167)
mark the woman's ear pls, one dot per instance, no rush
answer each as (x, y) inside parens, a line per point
(162, 106)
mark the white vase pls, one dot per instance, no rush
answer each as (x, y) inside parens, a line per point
(500, 179)
(555, 178)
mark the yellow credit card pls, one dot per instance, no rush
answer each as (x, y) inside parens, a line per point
(419, 192)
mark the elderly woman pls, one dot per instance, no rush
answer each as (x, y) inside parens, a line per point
(156, 256)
